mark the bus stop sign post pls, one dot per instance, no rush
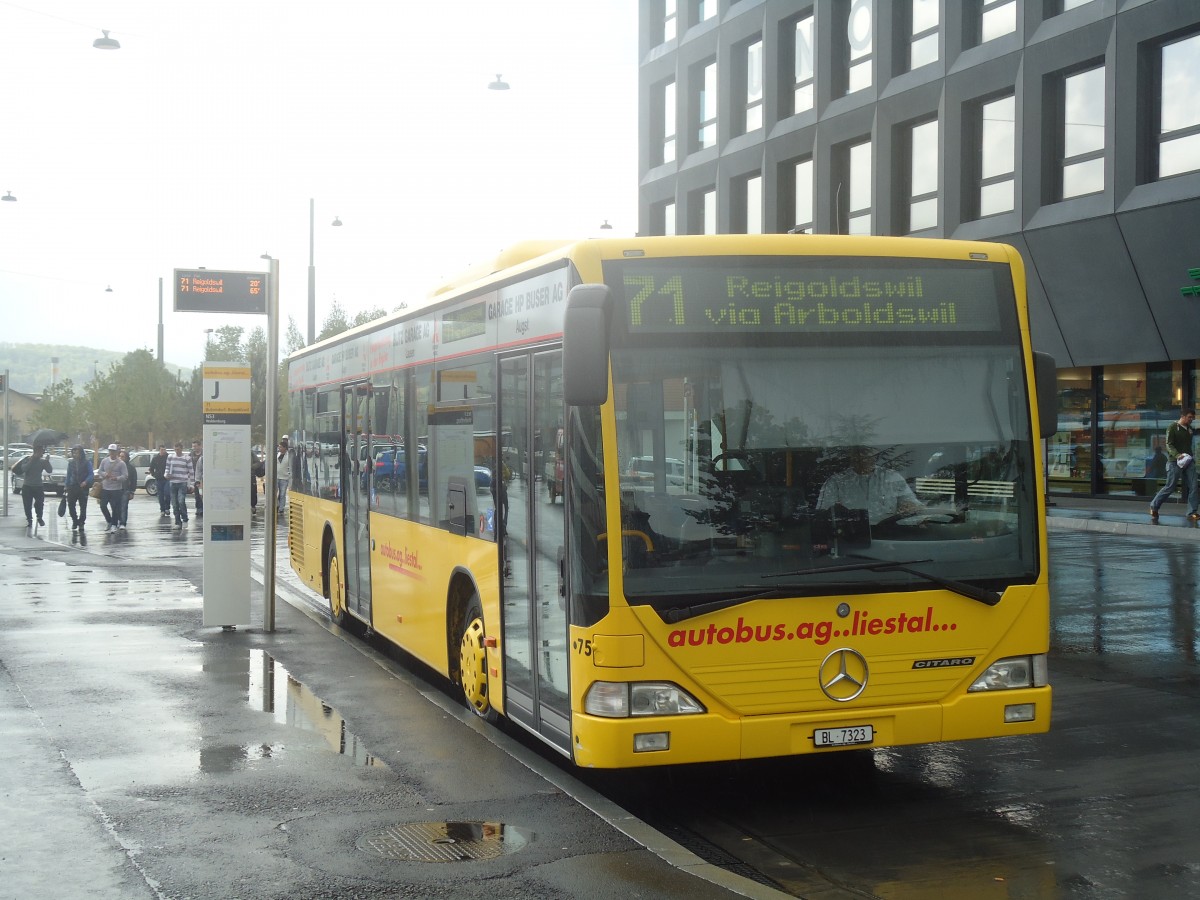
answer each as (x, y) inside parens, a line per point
(272, 486)
(211, 291)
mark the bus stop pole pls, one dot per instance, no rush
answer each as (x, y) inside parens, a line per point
(271, 488)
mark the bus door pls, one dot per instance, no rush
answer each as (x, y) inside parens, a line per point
(358, 469)
(535, 620)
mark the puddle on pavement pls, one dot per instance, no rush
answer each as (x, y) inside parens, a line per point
(273, 690)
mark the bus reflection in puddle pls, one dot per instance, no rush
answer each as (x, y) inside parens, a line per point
(272, 690)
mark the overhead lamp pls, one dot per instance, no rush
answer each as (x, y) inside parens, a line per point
(336, 221)
(108, 290)
(606, 226)
(9, 198)
(106, 43)
(265, 256)
(499, 84)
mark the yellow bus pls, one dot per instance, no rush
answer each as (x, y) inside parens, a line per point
(681, 499)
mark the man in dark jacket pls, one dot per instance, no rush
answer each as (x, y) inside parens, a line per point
(158, 470)
(1181, 467)
(33, 494)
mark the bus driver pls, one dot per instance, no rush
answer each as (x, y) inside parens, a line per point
(883, 493)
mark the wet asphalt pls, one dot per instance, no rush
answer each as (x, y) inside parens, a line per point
(151, 757)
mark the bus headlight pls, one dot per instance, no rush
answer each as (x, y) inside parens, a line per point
(620, 700)
(1013, 672)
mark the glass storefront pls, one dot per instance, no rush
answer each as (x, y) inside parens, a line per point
(1112, 423)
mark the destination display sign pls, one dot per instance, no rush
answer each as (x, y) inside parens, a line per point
(210, 291)
(808, 295)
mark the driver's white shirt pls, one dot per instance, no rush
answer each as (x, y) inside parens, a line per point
(882, 493)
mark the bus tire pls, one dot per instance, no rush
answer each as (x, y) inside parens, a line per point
(472, 662)
(336, 592)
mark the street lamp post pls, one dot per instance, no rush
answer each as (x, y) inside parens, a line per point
(312, 274)
(312, 270)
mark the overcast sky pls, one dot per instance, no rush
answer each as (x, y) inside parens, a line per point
(201, 140)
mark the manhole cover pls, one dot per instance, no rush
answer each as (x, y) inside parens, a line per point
(444, 841)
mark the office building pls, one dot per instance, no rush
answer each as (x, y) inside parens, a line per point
(1067, 128)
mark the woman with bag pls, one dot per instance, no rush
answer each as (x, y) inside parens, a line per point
(80, 479)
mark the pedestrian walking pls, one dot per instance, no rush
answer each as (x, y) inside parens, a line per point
(198, 472)
(33, 494)
(158, 470)
(79, 483)
(283, 475)
(181, 478)
(1181, 466)
(112, 473)
(257, 470)
(130, 489)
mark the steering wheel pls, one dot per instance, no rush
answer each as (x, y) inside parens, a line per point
(750, 471)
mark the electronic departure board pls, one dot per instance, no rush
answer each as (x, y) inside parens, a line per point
(810, 295)
(210, 291)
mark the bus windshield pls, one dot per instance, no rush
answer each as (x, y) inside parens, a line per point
(778, 461)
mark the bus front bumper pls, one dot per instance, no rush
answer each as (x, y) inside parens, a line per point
(707, 737)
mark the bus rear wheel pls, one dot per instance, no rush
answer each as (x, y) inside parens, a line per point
(472, 662)
(337, 594)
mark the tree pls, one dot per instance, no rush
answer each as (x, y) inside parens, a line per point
(335, 323)
(255, 355)
(294, 340)
(226, 346)
(59, 408)
(368, 315)
(136, 400)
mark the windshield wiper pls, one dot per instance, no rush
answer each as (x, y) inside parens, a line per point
(970, 591)
(679, 613)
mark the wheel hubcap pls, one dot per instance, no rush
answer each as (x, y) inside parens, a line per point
(472, 662)
(335, 588)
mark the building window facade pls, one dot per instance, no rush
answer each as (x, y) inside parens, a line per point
(704, 106)
(748, 204)
(1112, 426)
(670, 21)
(702, 211)
(923, 165)
(994, 19)
(664, 218)
(666, 122)
(857, 21)
(924, 17)
(1081, 133)
(752, 115)
(794, 191)
(852, 188)
(997, 147)
(703, 10)
(799, 65)
(1065, 5)
(1178, 131)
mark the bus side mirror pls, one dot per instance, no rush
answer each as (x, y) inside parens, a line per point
(1045, 377)
(585, 345)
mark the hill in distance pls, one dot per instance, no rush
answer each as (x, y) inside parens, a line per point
(31, 367)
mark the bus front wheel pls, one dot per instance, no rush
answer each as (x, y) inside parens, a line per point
(337, 595)
(472, 662)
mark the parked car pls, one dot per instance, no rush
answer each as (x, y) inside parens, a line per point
(641, 470)
(141, 461)
(391, 469)
(52, 483)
